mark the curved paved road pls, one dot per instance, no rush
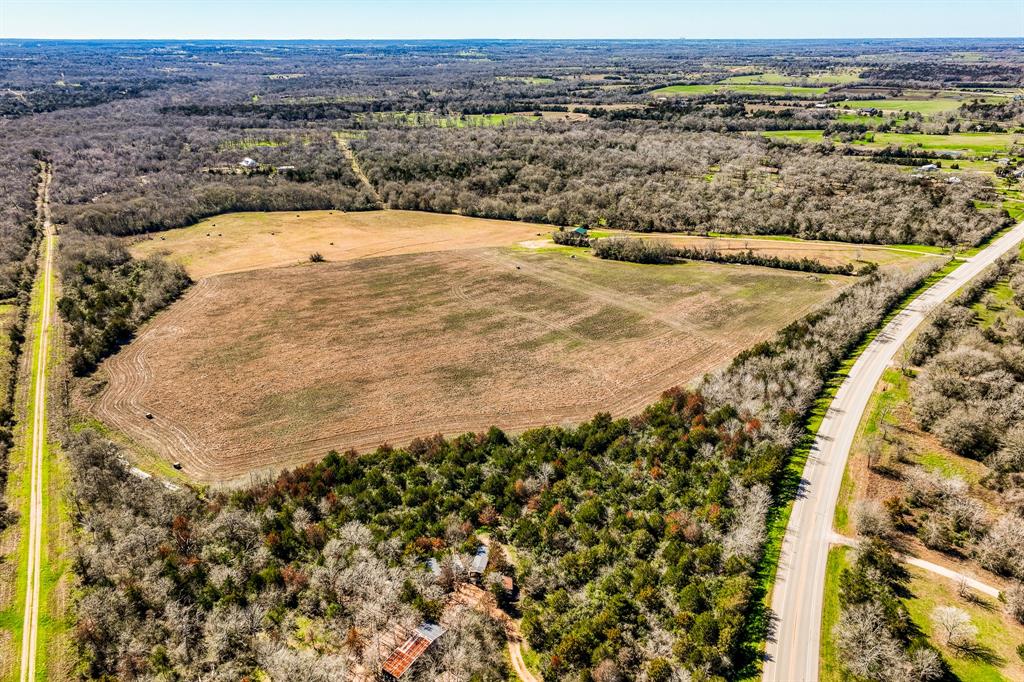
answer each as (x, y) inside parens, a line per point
(795, 640)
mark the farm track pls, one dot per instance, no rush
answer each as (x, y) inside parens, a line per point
(346, 149)
(931, 567)
(37, 446)
(123, 405)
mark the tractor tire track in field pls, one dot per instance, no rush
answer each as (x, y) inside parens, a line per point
(123, 404)
(37, 446)
(120, 405)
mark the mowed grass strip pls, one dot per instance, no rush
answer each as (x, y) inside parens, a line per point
(274, 367)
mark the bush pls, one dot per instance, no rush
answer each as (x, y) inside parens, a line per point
(649, 251)
(316, 257)
(570, 238)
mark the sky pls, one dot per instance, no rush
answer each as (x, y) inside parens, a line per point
(426, 19)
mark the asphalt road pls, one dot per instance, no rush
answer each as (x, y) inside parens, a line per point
(795, 640)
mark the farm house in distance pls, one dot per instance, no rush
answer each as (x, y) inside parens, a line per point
(406, 655)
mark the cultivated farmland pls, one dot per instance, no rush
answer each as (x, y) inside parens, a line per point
(284, 364)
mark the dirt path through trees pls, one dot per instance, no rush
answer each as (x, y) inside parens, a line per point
(356, 168)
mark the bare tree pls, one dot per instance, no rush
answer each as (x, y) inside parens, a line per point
(871, 519)
(868, 649)
(954, 627)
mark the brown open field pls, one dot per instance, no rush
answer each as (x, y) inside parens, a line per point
(253, 371)
(248, 241)
(236, 242)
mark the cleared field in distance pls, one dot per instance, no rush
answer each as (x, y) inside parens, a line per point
(247, 241)
(767, 90)
(920, 106)
(963, 143)
(841, 77)
(259, 370)
(969, 143)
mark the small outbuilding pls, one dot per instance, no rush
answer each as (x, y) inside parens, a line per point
(479, 563)
(406, 655)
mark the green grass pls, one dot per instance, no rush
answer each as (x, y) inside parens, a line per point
(772, 237)
(530, 657)
(994, 630)
(882, 403)
(767, 90)
(1015, 209)
(866, 120)
(52, 563)
(831, 669)
(950, 465)
(920, 106)
(687, 90)
(921, 248)
(974, 143)
(775, 78)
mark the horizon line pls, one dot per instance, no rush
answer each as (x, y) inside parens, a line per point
(503, 39)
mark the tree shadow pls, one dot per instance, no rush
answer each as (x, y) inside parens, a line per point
(982, 653)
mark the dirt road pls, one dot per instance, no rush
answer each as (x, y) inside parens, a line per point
(931, 567)
(37, 443)
(794, 644)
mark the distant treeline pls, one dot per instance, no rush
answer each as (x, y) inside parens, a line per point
(655, 251)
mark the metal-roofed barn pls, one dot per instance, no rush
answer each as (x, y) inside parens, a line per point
(406, 655)
(479, 564)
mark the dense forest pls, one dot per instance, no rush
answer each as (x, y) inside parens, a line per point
(652, 179)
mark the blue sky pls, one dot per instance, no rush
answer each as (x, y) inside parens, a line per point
(281, 19)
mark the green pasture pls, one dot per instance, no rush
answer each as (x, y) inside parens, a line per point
(742, 89)
(971, 143)
(776, 78)
(920, 106)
